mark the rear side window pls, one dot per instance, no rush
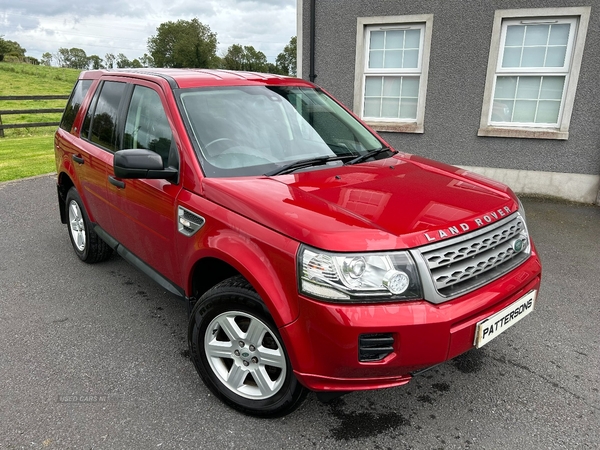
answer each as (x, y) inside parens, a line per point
(103, 113)
(74, 104)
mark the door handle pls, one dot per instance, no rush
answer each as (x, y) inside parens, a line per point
(78, 159)
(118, 183)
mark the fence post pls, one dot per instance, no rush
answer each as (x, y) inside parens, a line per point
(1, 129)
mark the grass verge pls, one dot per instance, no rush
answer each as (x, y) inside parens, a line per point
(26, 157)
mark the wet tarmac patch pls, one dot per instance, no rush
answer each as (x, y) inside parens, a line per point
(470, 362)
(363, 424)
(425, 399)
(441, 387)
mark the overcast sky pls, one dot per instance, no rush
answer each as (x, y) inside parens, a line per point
(124, 26)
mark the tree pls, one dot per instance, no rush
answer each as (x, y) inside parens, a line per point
(244, 58)
(286, 60)
(272, 68)
(3, 48)
(95, 62)
(146, 60)
(79, 59)
(233, 59)
(122, 61)
(47, 59)
(110, 60)
(62, 57)
(11, 48)
(75, 58)
(184, 44)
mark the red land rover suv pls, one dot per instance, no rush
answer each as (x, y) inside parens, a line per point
(312, 254)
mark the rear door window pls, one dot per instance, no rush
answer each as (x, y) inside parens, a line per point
(101, 119)
(74, 103)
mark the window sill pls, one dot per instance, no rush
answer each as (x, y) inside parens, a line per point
(395, 127)
(526, 133)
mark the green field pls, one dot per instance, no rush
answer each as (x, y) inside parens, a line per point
(28, 151)
(22, 157)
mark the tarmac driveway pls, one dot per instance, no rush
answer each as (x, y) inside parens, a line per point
(96, 357)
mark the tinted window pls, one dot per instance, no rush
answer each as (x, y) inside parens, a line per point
(147, 126)
(104, 121)
(87, 121)
(74, 104)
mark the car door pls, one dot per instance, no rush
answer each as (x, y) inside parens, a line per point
(95, 149)
(143, 210)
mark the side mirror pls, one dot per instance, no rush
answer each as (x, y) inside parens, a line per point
(141, 163)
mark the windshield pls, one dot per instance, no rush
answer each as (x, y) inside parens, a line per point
(253, 130)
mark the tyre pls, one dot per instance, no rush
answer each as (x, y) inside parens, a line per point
(87, 244)
(239, 353)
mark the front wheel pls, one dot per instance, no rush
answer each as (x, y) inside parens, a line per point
(239, 354)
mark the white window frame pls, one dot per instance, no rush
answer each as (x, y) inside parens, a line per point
(579, 17)
(363, 29)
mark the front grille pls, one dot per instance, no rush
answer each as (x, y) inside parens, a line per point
(464, 263)
(374, 347)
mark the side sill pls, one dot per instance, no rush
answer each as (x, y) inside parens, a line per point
(139, 264)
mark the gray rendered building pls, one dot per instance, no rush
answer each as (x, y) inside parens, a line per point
(504, 88)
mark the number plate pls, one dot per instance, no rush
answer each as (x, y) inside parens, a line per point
(491, 327)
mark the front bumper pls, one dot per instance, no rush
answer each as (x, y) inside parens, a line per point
(323, 343)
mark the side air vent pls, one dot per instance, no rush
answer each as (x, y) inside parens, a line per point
(374, 347)
(188, 223)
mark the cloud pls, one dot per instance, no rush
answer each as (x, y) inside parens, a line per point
(115, 26)
(280, 3)
(22, 23)
(83, 8)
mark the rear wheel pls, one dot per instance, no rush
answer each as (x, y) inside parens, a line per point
(87, 244)
(239, 354)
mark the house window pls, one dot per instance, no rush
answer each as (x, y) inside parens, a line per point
(392, 59)
(532, 73)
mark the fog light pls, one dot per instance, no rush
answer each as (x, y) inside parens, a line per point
(374, 347)
(395, 281)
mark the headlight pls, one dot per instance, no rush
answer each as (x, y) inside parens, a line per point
(358, 277)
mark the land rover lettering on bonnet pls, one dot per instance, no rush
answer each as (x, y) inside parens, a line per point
(311, 254)
(464, 227)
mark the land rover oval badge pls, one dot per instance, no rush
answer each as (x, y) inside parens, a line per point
(517, 245)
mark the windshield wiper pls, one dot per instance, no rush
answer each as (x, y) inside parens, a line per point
(302, 163)
(370, 154)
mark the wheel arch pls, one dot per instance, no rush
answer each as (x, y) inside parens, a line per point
(208, 272)
(64, 183)
(252, 264)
